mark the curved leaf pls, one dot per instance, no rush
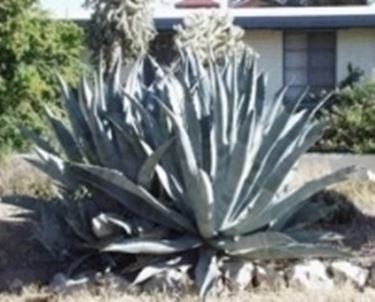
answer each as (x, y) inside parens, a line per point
(117, 185)
(153, 247)
(296, 251)
(206, 272)
(251, 243)
(148, 168)
(65, 138)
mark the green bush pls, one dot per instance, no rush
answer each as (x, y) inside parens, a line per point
(32, 48)
(351, 122)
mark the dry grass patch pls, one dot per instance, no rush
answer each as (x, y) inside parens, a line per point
(346, 293)
(18, 178)
(362, 194)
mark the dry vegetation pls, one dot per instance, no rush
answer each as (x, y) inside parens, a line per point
(343, 294)
(19, 181)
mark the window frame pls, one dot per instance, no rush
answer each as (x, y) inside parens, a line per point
(309, 49)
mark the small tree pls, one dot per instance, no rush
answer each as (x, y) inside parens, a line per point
(32, 47)
(120, 27)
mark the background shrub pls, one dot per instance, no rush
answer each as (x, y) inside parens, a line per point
(351, 121)
(32, 48)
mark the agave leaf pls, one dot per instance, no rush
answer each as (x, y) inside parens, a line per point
(77, 218)
(258, 241)
(129, 145)
(36, 139)
(149, 120)
(192, 121)
(53, 166)
(153, 247)
(197, 183)
(108, 223)
(103, 139)
(118, 186)
(148, 168)
(142, 261)
(150, 271)
(85, 98)
(81, 129)
(114, 88)
(234, 175)
(65, 138)
(247, 85)
(296, 251)
(300, 196)
(206, 272)
(270, 153)
(245, 221)
(205, 211)
(308, 215)
(220, 104)
(313, 236)
(129, 158)
(79, 230)
(292, 203)
(231, 85)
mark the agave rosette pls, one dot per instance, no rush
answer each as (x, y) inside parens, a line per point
(202, 165)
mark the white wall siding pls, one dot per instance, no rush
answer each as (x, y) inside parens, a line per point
(269, 44)
(356, 46)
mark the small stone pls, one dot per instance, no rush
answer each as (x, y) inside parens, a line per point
(344, 270)
(268, 277)
(310, 275)
(238, 275)
(175, 280)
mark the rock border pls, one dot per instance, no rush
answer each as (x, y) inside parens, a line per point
(311, 274)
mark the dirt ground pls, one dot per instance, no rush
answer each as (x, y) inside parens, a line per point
(25, 265)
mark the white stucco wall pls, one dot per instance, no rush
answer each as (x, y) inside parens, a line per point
(269, 44)
(356, 46)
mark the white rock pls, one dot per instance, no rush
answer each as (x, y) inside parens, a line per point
(310, 275)
(269, 277)
(239, 275)
(101, 227)
(173, 280)
(345, 270)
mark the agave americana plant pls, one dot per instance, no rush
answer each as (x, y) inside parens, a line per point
(197, 164)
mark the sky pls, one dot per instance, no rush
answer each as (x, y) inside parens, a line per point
(71, 8)
(68, 7)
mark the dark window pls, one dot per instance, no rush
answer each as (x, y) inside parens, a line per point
(309, 61)
(162, 47)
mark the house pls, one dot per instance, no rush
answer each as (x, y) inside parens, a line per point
(310, 46)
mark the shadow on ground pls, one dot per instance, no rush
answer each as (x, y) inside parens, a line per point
(357, 227)
(23, 260)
